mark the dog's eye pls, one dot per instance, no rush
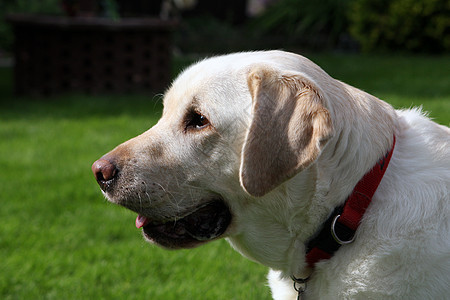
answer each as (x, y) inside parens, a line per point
(196, 120)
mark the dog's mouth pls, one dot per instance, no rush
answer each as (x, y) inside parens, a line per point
(204, 224)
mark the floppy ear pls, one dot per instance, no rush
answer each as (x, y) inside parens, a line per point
(289, 128)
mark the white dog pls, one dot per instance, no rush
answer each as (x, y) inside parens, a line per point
(340, 195)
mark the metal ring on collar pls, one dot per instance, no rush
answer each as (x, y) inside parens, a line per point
(300, 285)
(334, 235)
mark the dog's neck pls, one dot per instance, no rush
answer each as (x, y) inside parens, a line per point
(356, 147)
(279, 224)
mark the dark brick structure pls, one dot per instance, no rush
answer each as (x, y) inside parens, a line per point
(93, 55)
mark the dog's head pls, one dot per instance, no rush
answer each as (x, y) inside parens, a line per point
(233, 129)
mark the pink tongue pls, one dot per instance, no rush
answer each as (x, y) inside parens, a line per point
(141, 221)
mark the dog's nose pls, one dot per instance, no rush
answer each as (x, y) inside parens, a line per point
(104, 171)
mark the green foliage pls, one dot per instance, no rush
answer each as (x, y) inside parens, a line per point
(46, 7)
(408, 25)
(412, 25)
(313, 23)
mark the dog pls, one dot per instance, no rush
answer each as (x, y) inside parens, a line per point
(338, 193)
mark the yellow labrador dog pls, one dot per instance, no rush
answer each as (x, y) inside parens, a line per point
(340, 195)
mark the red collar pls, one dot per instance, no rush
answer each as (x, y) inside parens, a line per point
(340, 227)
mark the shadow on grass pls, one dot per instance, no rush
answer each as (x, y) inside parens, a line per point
(73, 106)
(402, 75)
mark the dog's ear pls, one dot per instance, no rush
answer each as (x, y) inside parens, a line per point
(289, 128)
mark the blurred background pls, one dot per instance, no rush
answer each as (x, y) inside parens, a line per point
(78, 77)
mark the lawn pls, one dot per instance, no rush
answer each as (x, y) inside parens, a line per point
(59, 238)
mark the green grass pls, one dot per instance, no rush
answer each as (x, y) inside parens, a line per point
(60, 239)
(404, 81)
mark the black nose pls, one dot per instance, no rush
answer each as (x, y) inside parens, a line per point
(105, 172)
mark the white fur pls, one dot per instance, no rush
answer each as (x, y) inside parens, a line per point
(402, 247)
